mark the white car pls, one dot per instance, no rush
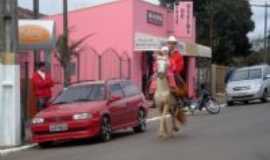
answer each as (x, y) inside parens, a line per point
(249, 83)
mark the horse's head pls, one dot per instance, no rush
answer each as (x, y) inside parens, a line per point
(162, 66)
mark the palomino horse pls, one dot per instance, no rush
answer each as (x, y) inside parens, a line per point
(166, 101)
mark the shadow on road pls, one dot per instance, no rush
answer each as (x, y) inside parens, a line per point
(250, 103)
(87, 142)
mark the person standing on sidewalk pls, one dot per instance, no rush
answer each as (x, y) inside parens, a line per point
(42, 84)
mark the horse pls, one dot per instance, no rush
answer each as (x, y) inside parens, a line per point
(166, 101)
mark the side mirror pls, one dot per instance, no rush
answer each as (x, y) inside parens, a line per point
(266, 77)
(114, 98)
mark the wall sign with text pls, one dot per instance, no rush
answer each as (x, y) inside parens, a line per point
(154, 18)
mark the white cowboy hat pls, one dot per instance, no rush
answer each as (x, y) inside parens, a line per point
(165, 49)
(172, 39)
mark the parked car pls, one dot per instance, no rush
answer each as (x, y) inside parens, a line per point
(89, 109)
(249, 83)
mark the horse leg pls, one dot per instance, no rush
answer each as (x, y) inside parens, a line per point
(161, 123)
(174, 124)
(163, 126)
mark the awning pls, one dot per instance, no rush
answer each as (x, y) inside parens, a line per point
(146, 42)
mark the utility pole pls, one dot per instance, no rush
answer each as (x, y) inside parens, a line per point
(36, 16)
(66, 36)
(10, 103)
(266, 42)
(9, 20)
(265, 32)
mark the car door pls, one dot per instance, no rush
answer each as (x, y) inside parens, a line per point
(117, 108)
(134, 100)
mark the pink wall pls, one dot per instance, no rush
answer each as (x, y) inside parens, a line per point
(112, 26)
(141, 24)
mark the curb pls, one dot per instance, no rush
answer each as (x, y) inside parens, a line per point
(4, 152)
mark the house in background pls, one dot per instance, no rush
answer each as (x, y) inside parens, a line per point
(126, 34)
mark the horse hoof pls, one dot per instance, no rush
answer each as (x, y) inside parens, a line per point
(176, 129)
(162, 136)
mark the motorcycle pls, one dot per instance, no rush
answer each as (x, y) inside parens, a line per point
(206, 101)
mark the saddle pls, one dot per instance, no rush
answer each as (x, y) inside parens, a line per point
(181, 90)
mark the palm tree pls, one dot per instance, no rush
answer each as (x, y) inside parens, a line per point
(64, 54)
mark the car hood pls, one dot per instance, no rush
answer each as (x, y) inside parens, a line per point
(245, 83)
(71, 108)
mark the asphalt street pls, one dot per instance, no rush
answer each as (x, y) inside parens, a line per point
(237, 133)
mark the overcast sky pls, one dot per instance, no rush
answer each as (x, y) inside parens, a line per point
(55, 6)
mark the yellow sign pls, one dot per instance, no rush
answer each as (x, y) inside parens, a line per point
(36, 34)
(33, 34)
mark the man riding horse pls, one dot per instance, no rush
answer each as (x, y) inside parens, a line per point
(176, 66)
(167, 67)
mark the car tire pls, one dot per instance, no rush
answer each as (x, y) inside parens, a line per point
(230, 103)
(45, 144)
(264, 98)
(141, 127)
(106, 129)
(246, 102)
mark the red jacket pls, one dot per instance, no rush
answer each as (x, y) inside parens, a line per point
(177, 62)
(42, 87)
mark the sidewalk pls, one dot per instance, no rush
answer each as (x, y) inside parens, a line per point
(26, 145)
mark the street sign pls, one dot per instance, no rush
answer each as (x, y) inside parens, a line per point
(36, 34)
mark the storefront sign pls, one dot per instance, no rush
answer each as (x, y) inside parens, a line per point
(36, 34)
(146, 42)
(204, 51)
(154, 18)
(183, 23)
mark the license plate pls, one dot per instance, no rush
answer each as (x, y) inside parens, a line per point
(58, 127)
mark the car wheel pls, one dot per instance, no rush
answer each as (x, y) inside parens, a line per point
(106, 129)
(45, 144)
(230, 103)
(142, 122)
(264, 98)
(246, 102)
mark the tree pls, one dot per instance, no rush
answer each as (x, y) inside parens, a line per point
(168, 3)
(224, 26)
(64, 55)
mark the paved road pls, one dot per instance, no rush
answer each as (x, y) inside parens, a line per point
(240, 132)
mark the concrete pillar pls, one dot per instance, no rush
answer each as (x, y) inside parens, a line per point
(10, 109)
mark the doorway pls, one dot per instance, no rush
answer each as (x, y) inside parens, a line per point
(147, 71)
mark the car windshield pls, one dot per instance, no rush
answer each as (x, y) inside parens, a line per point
(81, 93)
(247, 75)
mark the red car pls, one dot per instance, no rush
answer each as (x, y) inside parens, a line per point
(89, 109)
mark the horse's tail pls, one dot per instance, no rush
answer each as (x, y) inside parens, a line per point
(181, 116)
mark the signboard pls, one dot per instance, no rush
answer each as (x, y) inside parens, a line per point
(154, 18)
(36, 34)
(183, 19)
(146, 42)
(204, 51)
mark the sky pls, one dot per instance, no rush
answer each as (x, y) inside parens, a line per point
(55, 6)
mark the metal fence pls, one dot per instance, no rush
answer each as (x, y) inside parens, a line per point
(110, 64)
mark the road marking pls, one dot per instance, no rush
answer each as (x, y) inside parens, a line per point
(187, 113)
(16, 149)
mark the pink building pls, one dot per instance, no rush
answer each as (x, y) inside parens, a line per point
(126, 34)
